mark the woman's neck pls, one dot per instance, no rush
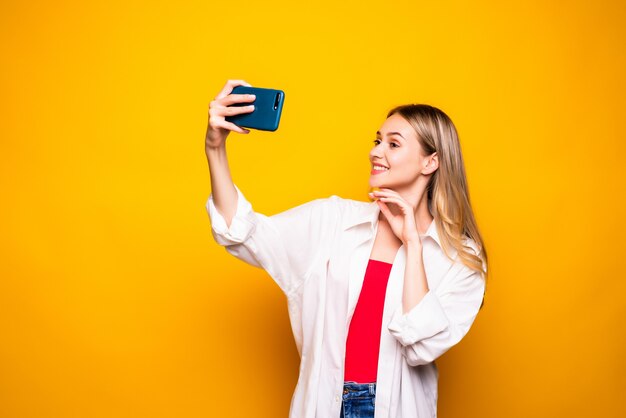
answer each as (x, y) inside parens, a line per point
(423, 218)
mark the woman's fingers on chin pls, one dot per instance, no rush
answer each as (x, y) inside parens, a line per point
(388, 192)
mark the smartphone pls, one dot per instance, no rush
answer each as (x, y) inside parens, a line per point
(268, 105)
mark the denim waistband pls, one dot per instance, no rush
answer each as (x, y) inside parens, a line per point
(352, 387)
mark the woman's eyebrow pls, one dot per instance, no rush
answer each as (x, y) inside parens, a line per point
(391, 133)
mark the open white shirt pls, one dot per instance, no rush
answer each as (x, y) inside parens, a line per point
(317, 253)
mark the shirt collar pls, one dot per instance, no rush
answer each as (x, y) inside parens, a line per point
(368, 212)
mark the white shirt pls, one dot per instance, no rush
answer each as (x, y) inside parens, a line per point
(317, 253)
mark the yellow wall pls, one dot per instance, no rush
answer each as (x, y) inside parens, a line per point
(116, 302)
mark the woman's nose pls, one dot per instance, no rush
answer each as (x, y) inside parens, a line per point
(376, 152)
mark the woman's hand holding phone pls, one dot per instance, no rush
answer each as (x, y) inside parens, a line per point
(220, 107)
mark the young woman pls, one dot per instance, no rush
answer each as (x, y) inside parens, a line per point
(376, 290)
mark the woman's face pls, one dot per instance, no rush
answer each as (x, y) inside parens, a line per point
(397, 149)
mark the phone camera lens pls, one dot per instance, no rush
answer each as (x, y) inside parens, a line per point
(276, 101)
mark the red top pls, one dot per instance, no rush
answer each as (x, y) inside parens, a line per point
(363, 343)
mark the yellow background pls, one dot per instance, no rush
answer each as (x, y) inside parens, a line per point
(116, 302)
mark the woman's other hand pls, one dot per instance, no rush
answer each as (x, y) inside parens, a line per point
(402, 224)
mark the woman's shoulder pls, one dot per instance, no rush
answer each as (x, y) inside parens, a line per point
(349, 205)
(353, 212)
(476, 249)
(471, 244)
(345, 208)
(323, 209)
(332, 212)
(340, 202)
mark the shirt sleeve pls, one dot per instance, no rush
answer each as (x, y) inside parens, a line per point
(442, 318)
(286, 245)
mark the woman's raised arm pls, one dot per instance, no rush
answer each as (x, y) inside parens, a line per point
(223, 189)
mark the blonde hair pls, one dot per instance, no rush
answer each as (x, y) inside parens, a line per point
(448, 195)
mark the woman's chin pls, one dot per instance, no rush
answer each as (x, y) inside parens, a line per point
(376, 183)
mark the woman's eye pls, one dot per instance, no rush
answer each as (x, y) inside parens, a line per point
(393, 144)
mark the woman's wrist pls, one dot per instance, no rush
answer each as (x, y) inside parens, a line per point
(215, 152)
(414, 244)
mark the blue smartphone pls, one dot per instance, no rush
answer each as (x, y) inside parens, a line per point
(268, 105)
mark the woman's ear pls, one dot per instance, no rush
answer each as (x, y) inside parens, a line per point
(432, 164)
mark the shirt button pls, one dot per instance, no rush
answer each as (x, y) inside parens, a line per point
(337, 397)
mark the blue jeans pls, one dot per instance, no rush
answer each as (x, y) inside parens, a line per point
(358, 400)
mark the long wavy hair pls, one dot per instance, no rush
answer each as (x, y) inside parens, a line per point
(448, 195)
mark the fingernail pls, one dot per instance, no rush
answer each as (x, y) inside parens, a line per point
(252, 96)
